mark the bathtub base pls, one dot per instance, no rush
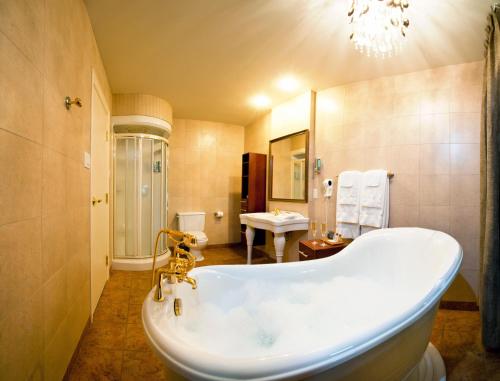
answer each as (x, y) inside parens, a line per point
(430, 368)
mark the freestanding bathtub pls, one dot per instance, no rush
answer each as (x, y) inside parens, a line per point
(363, 314)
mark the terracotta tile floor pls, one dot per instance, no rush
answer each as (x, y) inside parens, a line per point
(115, 348)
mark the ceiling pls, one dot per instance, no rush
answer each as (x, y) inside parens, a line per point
(207, 57)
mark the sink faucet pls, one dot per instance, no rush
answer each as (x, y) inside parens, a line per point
(179, 264)
(276, 211)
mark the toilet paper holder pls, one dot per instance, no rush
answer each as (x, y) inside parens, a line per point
(218, 214)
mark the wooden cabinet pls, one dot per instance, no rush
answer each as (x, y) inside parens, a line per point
(253, 190)
(308, 251)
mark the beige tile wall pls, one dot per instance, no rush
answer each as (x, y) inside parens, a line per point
(204, 174)
(257, 134)
(424, 127)
(47, 51)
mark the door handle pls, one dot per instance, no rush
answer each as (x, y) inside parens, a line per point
(96, 201)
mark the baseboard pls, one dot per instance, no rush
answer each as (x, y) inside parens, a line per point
(459, 306)
(75, 353)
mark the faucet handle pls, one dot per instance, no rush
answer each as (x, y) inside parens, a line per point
(180, 262)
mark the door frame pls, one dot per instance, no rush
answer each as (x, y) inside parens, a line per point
(97, 86)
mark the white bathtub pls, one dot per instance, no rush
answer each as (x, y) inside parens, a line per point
(363, 314)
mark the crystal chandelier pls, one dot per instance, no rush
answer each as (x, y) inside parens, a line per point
(378, 26)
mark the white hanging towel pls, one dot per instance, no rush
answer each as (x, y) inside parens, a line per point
(374, 201)
(348, 194)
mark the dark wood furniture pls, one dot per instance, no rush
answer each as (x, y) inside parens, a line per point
(253, 191)
(308, 251)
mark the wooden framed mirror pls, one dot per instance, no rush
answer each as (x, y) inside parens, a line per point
(289, 167)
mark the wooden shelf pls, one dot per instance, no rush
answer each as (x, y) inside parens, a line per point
(253, 190)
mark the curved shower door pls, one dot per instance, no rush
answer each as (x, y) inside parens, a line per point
(140, 186)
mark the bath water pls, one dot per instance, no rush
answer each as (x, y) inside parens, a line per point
(264, 318)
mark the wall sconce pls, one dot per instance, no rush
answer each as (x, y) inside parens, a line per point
(68, 102)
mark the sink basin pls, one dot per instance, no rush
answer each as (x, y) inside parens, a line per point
(278, 224)
(282, 219)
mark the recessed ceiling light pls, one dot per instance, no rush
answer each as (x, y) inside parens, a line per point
(288, 83)
(260, 101)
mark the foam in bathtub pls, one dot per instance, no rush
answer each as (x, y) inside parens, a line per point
(272, 318)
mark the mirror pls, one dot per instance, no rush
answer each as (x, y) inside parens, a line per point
(288, 167)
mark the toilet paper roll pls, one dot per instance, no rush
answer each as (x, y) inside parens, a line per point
(219, 214)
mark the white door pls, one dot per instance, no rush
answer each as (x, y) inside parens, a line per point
(99, 193)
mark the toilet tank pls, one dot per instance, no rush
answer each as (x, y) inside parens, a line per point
(191, 221)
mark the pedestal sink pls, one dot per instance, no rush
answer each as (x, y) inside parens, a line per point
(279, 224)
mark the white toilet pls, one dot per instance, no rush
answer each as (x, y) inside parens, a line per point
(194, 223)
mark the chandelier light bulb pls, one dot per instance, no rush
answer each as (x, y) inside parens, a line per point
(378, 27)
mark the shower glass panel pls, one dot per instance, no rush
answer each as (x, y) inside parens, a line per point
(146, 197)
(130, 192)
(119, 200)
(140, 194)
(159, 179)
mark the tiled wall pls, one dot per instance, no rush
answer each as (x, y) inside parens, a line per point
(47, 51)
(423, 126)
(204, 174)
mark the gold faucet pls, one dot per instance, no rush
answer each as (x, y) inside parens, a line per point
(276, 211)
(179, 264)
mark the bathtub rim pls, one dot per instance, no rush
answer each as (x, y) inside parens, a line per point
(313, 362)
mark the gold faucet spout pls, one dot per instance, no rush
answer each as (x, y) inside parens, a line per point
(191, 281)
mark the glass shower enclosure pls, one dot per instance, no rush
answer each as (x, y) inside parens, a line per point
(140, 196)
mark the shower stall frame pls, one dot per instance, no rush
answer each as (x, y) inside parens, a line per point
(159, 130)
